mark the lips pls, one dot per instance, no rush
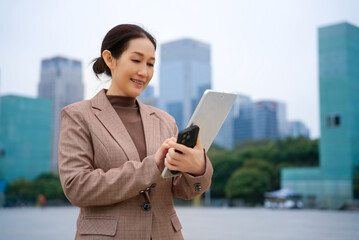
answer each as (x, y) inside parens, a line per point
(139, 82)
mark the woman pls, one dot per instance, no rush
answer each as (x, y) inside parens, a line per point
(113, 148)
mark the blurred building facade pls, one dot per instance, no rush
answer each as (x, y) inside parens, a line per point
(148, 96)
(185, 73)
(331, 183)
(298, 129)
(25, 137)
(61, 81)
(238, 125)
(243, 119)
(269, 120)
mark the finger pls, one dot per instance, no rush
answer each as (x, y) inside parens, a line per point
(178, 147)
(164, 147)
(170, 165)
(175, 155)
(172, 160)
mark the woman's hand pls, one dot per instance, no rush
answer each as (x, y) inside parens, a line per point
(161, 153)
(191, 160)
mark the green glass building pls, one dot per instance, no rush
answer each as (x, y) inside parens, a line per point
(25, 137)
(330, 185)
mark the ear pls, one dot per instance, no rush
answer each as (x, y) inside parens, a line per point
(109, 59)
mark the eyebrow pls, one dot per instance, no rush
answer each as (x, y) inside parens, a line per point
(142, 55)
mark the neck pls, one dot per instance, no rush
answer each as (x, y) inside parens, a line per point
(113, 92)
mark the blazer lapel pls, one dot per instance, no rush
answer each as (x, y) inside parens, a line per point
(151, 127)
(107, 115)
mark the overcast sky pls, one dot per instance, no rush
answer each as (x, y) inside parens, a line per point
(264, 49)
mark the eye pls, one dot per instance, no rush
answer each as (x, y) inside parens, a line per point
(150, 64)
(136, 61)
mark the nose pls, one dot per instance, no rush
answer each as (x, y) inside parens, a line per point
(143, 72)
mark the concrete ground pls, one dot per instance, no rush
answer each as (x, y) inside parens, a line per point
(57, 223)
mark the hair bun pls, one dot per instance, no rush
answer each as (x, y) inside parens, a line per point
(100, 67)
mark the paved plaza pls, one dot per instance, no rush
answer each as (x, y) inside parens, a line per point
(58, 223)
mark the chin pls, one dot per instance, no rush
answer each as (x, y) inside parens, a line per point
(136, 93)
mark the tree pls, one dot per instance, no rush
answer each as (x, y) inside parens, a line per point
(224, 164)
(266, 167)
(23, 191)
(249, 184)
(20, 192)
(49, 185)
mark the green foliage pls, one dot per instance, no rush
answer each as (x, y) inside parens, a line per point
(299, 151)
(26, 192)
(224, 164)
(265, 156)
(267, 168)
(22, 189)
(48, 185)
(249, 184)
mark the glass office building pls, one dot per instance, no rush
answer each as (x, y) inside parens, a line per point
(185, 73)
(269, 120)
(25, 137)
(331, 183)
(61, 81)
(297, 129)
(238, 125)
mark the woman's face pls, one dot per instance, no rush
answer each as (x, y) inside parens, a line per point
(133, 70)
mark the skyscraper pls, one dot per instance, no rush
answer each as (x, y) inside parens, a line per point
(331, 183)
(297, 129)
(61, 81)
(269, 120)
(243, 119)
(238, 125)
(185, 73)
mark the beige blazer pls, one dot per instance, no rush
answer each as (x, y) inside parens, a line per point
(101, 172)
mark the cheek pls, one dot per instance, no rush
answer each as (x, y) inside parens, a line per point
(150, 73)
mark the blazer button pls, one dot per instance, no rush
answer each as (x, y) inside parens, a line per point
(153, 185)
(146, 206)
(197, 187)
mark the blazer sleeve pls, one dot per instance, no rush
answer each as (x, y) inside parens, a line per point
(187, 186)
(85, 186)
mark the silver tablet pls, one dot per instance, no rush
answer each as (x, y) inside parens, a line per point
(209, 115)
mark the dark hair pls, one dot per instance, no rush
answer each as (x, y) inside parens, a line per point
(116, 41)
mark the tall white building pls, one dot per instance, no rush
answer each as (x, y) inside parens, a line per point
(61, 81)
(185, 73)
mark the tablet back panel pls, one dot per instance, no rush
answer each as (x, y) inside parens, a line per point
(210, 114)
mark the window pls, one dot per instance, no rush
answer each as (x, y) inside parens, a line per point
(336, 120)
(333, 120)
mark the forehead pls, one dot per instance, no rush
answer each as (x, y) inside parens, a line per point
(141, 45)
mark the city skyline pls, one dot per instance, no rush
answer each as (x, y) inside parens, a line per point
(61, 81)
(266, 52)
